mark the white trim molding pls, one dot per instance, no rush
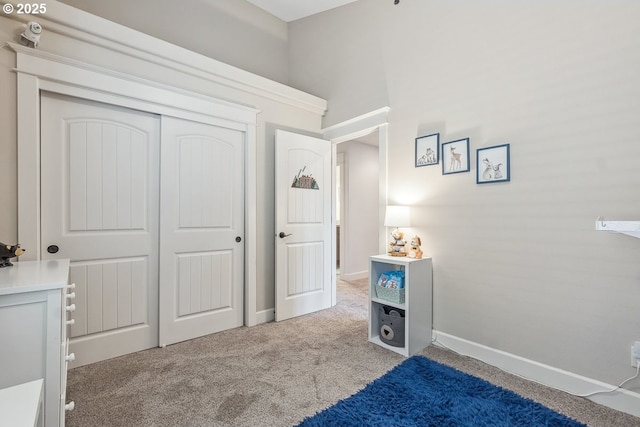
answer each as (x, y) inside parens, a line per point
(594, 390)
(266, 316)
(356, 127)
(355, 276)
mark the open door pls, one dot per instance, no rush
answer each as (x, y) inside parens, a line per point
(303, 225)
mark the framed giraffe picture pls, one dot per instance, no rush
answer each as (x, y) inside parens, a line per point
(455, 156)
(493, 164)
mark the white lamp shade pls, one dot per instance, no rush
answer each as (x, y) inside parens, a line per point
(397, 216)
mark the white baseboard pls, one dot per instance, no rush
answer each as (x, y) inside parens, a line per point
(620, 400)
(354, 276)
(265, 316)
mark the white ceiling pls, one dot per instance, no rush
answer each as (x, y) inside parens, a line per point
(290, 10)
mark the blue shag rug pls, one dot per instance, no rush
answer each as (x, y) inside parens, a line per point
(421, 392)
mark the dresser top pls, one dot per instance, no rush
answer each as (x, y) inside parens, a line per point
(31, 276)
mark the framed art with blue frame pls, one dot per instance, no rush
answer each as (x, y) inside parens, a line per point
(493, 164)
(428, 150)
(455, 156)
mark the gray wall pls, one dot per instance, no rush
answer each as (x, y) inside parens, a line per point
(231, 31)
(8, 135)
(518, 266)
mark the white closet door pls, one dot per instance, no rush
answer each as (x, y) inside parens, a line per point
(100, 189)
(202, 229)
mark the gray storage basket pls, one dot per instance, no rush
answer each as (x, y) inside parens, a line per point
(390, 294)
(391, 325)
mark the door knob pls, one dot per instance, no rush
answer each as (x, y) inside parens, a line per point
(238, 239)
(282, 235)
(52, 249)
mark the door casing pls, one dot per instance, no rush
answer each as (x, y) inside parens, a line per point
(353, 129)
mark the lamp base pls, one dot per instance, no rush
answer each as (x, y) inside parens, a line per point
(394, 253)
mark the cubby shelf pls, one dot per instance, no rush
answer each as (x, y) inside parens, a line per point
(417, 304)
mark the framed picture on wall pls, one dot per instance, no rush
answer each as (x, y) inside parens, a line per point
(455, 156)
(493, 164)
(428, 150)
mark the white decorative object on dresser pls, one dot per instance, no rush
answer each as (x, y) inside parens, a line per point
(34, 303)
(400, 316)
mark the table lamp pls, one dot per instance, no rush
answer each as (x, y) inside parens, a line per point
(397, 216)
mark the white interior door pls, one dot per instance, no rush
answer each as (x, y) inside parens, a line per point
(202, 229)
(99, 180)
(303, 225)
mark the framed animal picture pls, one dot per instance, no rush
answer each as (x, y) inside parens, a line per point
(455, 156)
(493, 164)
(428, 150)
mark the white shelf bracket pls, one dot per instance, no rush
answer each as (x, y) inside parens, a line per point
(630, 228)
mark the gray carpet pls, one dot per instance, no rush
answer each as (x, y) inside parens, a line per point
(273, 374)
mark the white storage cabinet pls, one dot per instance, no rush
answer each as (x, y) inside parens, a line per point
(33, 331)
(417, 305)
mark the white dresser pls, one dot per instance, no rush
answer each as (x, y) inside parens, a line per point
(34, 303)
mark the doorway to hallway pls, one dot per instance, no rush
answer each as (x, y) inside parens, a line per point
(373, 125)
(356, 204)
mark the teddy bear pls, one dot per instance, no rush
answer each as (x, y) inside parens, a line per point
(414, 250)
(7, 252)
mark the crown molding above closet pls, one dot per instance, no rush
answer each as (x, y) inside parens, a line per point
(82, 26)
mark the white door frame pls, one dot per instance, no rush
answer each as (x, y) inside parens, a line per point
(339, 161)
(38, 70)
(353, 129)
